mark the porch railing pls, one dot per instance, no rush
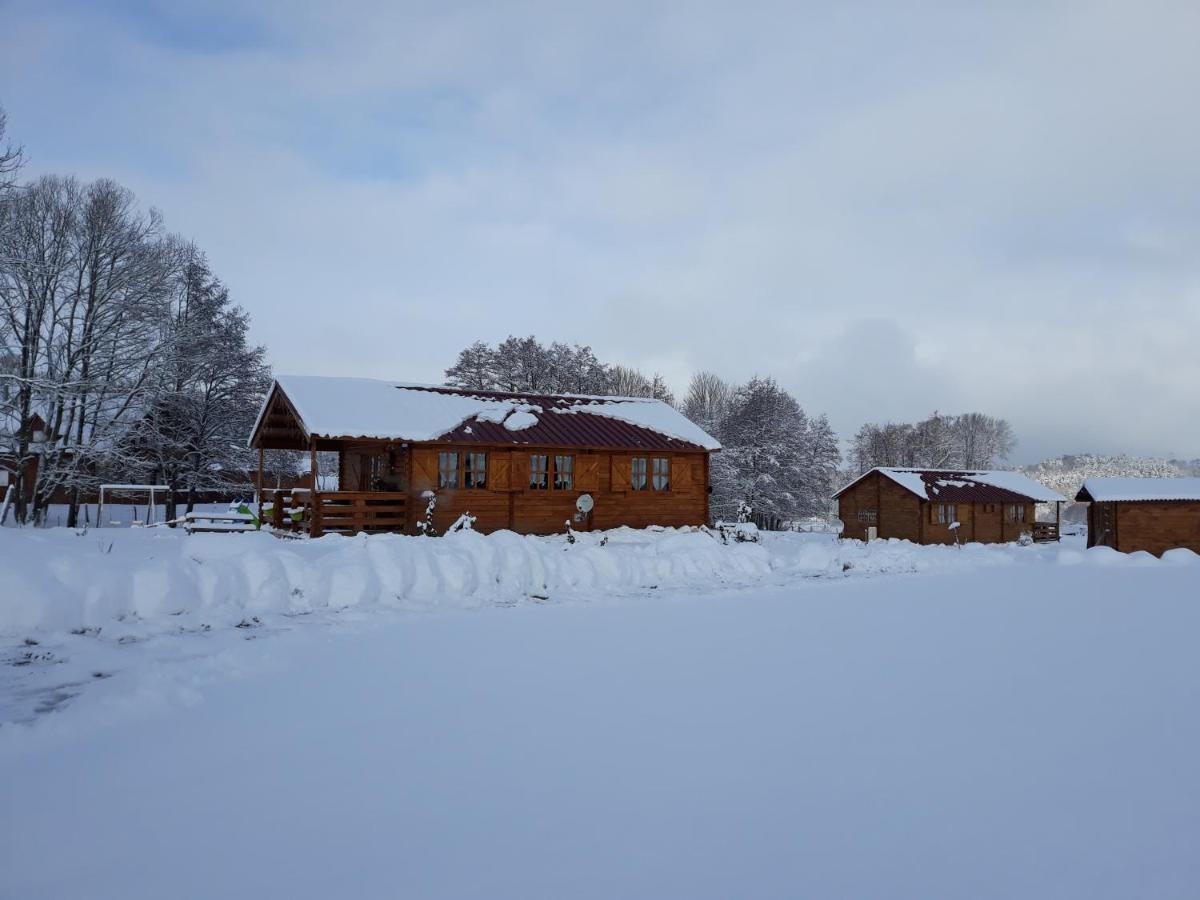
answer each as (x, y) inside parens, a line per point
(1045, 532)
(348, 512)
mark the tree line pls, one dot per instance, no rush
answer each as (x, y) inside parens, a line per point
(525, 365)
(967, 441)
(119, 337)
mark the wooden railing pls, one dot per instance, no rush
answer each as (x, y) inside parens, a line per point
(350, 512)
(1045, 532)
(282, 505)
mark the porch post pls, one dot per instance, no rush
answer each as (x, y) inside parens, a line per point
(314, 510)
(259, 484)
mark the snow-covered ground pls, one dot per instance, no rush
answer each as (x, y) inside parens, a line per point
(660, 716)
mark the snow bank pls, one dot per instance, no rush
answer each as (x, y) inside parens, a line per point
(54, 579)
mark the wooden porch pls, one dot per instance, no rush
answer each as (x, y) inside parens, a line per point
(1045, 532)
(344, 512)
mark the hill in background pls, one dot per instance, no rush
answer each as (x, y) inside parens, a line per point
(1066, 473)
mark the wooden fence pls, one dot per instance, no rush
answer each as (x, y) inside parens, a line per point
(1045, 532)
(347, 512)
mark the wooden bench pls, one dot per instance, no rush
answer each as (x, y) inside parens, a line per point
(218, 522)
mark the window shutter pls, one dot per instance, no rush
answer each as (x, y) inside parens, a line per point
(932, 513)
(499, 469)
(620, 473)
(519, 471)
(681, 473)
(424, 470)
(587, 472)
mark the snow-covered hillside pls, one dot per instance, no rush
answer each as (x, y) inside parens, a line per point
(1067, 473)
(660, 716)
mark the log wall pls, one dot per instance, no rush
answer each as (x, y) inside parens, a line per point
(508, 501)
(1157, 527)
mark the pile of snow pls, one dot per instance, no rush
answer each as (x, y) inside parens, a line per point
(54, 579)
(522, 418)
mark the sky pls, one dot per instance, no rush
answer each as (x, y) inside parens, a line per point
(891, 208)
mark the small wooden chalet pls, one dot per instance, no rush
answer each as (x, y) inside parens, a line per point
(525, 462)
(922, 505)
(1151, 514)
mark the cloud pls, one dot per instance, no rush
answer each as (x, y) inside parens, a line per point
(891, 211)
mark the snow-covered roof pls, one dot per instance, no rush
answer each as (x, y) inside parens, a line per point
(959, 485)
(333, 407)
(1104, 490)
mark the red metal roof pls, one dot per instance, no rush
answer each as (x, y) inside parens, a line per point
(948, 486)
(958, 487)
(576, 429)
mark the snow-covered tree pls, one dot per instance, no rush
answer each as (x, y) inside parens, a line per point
(209, 384)
(774, 457)
(475, 368)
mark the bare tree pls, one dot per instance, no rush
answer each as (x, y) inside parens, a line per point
(707, 400)
(967, 441)
(105, 339)
(12, 157)
(36, 256)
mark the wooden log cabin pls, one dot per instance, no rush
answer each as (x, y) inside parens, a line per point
(524, 462)
(1151, 514)
(921, 505)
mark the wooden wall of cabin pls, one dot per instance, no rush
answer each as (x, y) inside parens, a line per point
(936, 532)
(897, 511)
(508, 501)
(983, 523)
(1157, 527)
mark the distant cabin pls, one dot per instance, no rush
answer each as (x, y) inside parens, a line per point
(1151, 514)
(527, 462)
(921, 505)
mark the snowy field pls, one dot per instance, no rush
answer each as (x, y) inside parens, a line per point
(660, 716)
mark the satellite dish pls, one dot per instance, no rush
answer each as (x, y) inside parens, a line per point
(585, 503)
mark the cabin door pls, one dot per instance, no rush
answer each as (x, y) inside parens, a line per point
(1106, 525)
(375, 469)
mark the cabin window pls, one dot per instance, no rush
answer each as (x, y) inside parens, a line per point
(538, 469)
(943, 513)
(1016, 512)
(448, 470)
(868, 516)
(475, 470)
(662, 473)
(564, 473)
(637, 473)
